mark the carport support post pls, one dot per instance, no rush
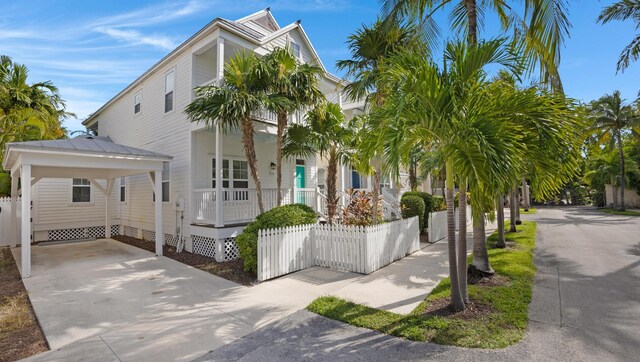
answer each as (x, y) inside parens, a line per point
(25, 180)
(107, 220)
(14, 210)
(157, 187)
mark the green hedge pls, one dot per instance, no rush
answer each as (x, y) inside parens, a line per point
(413, 206)
(428, 202)
(439, 204)
(282, 216)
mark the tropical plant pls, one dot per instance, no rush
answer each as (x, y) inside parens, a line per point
(612, 117)
(324, 132)
(296, 82)
(243, 90)
(369, 47)
(359, 210)
(539, 27)
(28, 111)
(451, 108)
(624, 10)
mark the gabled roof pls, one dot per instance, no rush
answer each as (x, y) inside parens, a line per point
(236, 27)
(83, 144)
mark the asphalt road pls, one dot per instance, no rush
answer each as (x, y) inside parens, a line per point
(586, 306)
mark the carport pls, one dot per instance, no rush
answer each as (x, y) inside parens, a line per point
(88, 157)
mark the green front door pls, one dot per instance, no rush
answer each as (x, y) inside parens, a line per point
(300, 184)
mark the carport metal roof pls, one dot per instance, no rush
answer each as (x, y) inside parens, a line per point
(88, 157)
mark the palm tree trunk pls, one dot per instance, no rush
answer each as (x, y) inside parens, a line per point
(250, 154)
(457, 303)
(472, 17)
(332, 195)
(500, 211)
(518, 220)
(282, 124)
(622, 171)
(412, 175)
(480, 263)
(375, 194)
(462, 241)
(512, 211)
(525, 194)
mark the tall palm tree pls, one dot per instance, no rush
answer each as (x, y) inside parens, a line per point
(324, 132)
(241, 92)
(612, 116)
(624, 10)
(539, 26)
(452, 109)
(298, 83)
(369, 47)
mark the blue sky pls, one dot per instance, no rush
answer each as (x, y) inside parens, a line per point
(93, 49)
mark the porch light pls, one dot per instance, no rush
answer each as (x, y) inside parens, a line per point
(273, 166)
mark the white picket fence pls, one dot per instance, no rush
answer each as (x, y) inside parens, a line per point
(437, 225)
(350, 248)
(5, 220)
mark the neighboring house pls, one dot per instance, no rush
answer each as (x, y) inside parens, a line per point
(149, 114)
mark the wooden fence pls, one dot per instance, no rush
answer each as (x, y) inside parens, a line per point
(350, 248)
(437, 225)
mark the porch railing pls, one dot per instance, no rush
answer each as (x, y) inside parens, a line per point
(241, 205)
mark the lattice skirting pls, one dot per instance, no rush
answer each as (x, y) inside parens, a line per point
(91, 232)
(130, 231)
(204, 246)
(171, 239)
(148, 235)
(231, 251)
(208, 247)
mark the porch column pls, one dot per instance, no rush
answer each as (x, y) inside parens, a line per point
(14, 210)
(107, 221)
(25, 178)
(219, 192)
(391, 183)
(157, 187)
(369, 185)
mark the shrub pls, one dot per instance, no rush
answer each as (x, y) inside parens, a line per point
(439, 204)
(428, 202)
(359, 210)
(413, 206)
(281, 216)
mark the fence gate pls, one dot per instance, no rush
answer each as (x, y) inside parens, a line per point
(5, 221)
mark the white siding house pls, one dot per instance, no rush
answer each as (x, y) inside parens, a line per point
(149, 114)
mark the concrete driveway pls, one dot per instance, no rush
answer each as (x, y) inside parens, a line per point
(585, 307)
(105, 300)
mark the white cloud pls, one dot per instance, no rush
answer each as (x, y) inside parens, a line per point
(134, 37)
(150, 15)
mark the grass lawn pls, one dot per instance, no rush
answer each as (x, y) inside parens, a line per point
(496, 318)
(20, 334)
(532, 210)
(618, 212)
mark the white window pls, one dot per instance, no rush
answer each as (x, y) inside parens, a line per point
(123, 189)
(295, 48)
(137, 102)
(169, 85)
(166, 179)
(81, 190)
(166, 175)
(236, 177)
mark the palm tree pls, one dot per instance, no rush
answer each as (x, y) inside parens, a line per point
(538, 26)
(28, 111)
(369, 47)
(241, 92)
(624, 10)
(324, 132)
(295, 82)
(451, 108)
(612, 116)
